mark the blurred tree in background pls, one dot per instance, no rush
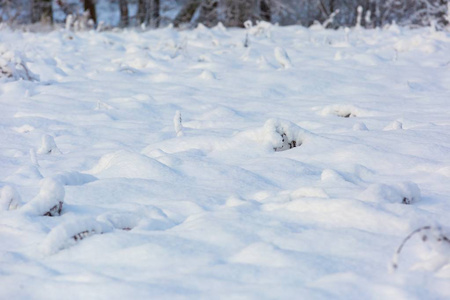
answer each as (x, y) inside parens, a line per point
(189, 13)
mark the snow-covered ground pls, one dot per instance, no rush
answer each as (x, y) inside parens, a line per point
(187, 165)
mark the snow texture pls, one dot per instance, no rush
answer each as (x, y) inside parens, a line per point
(300, 161)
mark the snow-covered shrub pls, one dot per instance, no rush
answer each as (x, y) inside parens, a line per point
(70, 232)
(404, 192)
(345, 111)
(283, 135)
(14, 65)
(9, 198)
(49, 201)
(48, 145)
(438, 241)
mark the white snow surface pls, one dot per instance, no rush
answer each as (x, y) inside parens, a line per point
(215, 209)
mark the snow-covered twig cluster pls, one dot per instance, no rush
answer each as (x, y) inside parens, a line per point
(434, 235)
(13, 64)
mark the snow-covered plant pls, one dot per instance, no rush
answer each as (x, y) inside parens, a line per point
(48, 145)
(70, 232)
(283, 135)
(439, 242)
(177, 123)
(14, 65)
(282, 58)
(49, 201)
(9, 198)
(82, 22)
(403, 192)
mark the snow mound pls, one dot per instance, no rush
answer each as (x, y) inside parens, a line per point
(345, 111)
(124, 164)
(120, 220)
(207, 75)
(70, 232)
(282, 58)
(9, 198)
(283, 135)
(49, 201)
(48, 145)
(155, 219)
(404, 192)
(396, 125)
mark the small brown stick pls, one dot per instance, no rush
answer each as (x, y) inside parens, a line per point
(440, 238)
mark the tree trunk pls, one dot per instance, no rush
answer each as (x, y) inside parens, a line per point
(187, 12)
(208, 13)
(141, 12)
(154, 13)
(89, 6)
(264, 6)
(123, 6)
(148, 12)
(41, 10)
